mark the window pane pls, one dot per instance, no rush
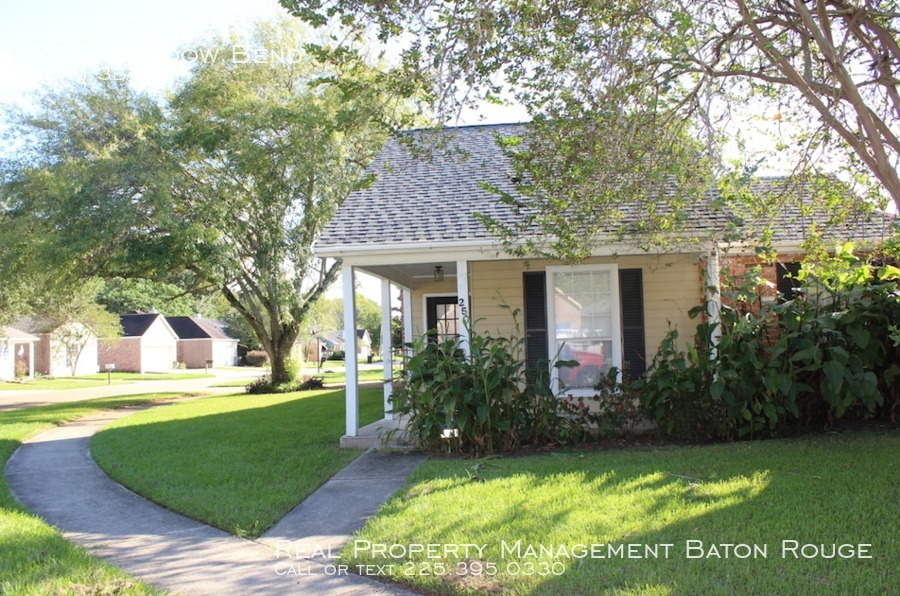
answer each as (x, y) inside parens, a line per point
(593, 357)
(583, 305)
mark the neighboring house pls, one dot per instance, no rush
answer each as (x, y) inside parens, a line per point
(415, 228)
(337, 343)
(148, 344)
(16, 353)
(62, 350)
(202, 341)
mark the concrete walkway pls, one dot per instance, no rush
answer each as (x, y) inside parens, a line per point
(54, 475)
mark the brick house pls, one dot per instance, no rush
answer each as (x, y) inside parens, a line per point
(148, 344)
(202, 341)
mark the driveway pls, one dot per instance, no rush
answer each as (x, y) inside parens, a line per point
(12, 400)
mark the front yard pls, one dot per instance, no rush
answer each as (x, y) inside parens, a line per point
(34, 557)
(237, 462)
(532, 521)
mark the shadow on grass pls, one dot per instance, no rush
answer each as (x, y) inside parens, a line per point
(824, 490)
(239, 463)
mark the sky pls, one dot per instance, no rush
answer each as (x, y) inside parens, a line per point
(46, 43)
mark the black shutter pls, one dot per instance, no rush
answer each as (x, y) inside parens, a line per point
(535, 292)
(634, 350)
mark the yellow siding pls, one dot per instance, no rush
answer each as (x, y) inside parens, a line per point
(672, 286)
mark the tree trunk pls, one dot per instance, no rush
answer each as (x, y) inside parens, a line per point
(280, 352)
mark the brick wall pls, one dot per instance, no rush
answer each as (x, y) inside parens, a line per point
(125, 353)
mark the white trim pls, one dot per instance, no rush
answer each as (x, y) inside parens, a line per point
(713, 291)
(406, 254)
(465, 305)
(350, 364)
(407, 317)
(386, 354)
(616, 314)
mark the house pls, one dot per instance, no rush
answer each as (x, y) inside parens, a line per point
(336, 342)
(414, 229)
(203, 341)
(148, 344)
(16, 353)
(67, 349)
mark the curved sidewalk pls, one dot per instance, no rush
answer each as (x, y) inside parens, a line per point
(54, 475)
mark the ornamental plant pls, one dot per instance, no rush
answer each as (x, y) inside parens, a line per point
(483, 402)
(827, 354)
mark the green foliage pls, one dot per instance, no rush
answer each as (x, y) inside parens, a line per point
(825, 355)
(482, 403)
(628, 97)
(223, 186)
(123, 295)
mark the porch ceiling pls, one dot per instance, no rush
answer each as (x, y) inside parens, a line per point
(411, 275)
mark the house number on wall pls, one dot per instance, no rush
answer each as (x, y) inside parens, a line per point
(463, 309)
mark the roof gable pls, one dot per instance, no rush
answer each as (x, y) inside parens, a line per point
(136, 325)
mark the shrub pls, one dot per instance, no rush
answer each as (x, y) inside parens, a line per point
(825, 355)
(264, 385)
(618, 403)
(256, 358)
(292, 367)
(338, 355)
(310, 383)
(482, 403)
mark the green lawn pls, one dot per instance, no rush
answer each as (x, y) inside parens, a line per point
(53, 384)
(334, 371)
(239, 463)
(34, 557)
(842, 489)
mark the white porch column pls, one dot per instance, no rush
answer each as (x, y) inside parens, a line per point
(462, 295)
(407, 317)
(350, 356)
(31, 359)
(714, 295)
(386, 353)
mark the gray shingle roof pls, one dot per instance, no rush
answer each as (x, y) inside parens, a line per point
(427, 200)
(432, 198)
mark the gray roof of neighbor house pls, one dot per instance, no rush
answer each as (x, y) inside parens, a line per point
(198, 328)
(433, 198)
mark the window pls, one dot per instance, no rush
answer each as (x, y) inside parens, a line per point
(786, 280)
(584, 323)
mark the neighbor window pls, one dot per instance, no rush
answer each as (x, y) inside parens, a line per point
(584, 323)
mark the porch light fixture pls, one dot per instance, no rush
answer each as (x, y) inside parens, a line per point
(438, 273)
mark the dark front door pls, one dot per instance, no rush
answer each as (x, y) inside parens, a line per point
(442, 317)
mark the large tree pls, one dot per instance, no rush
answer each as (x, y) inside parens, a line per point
(620, 86)
(229, 180)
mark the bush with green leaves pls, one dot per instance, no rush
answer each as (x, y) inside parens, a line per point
(481, 403)
(825, 355)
